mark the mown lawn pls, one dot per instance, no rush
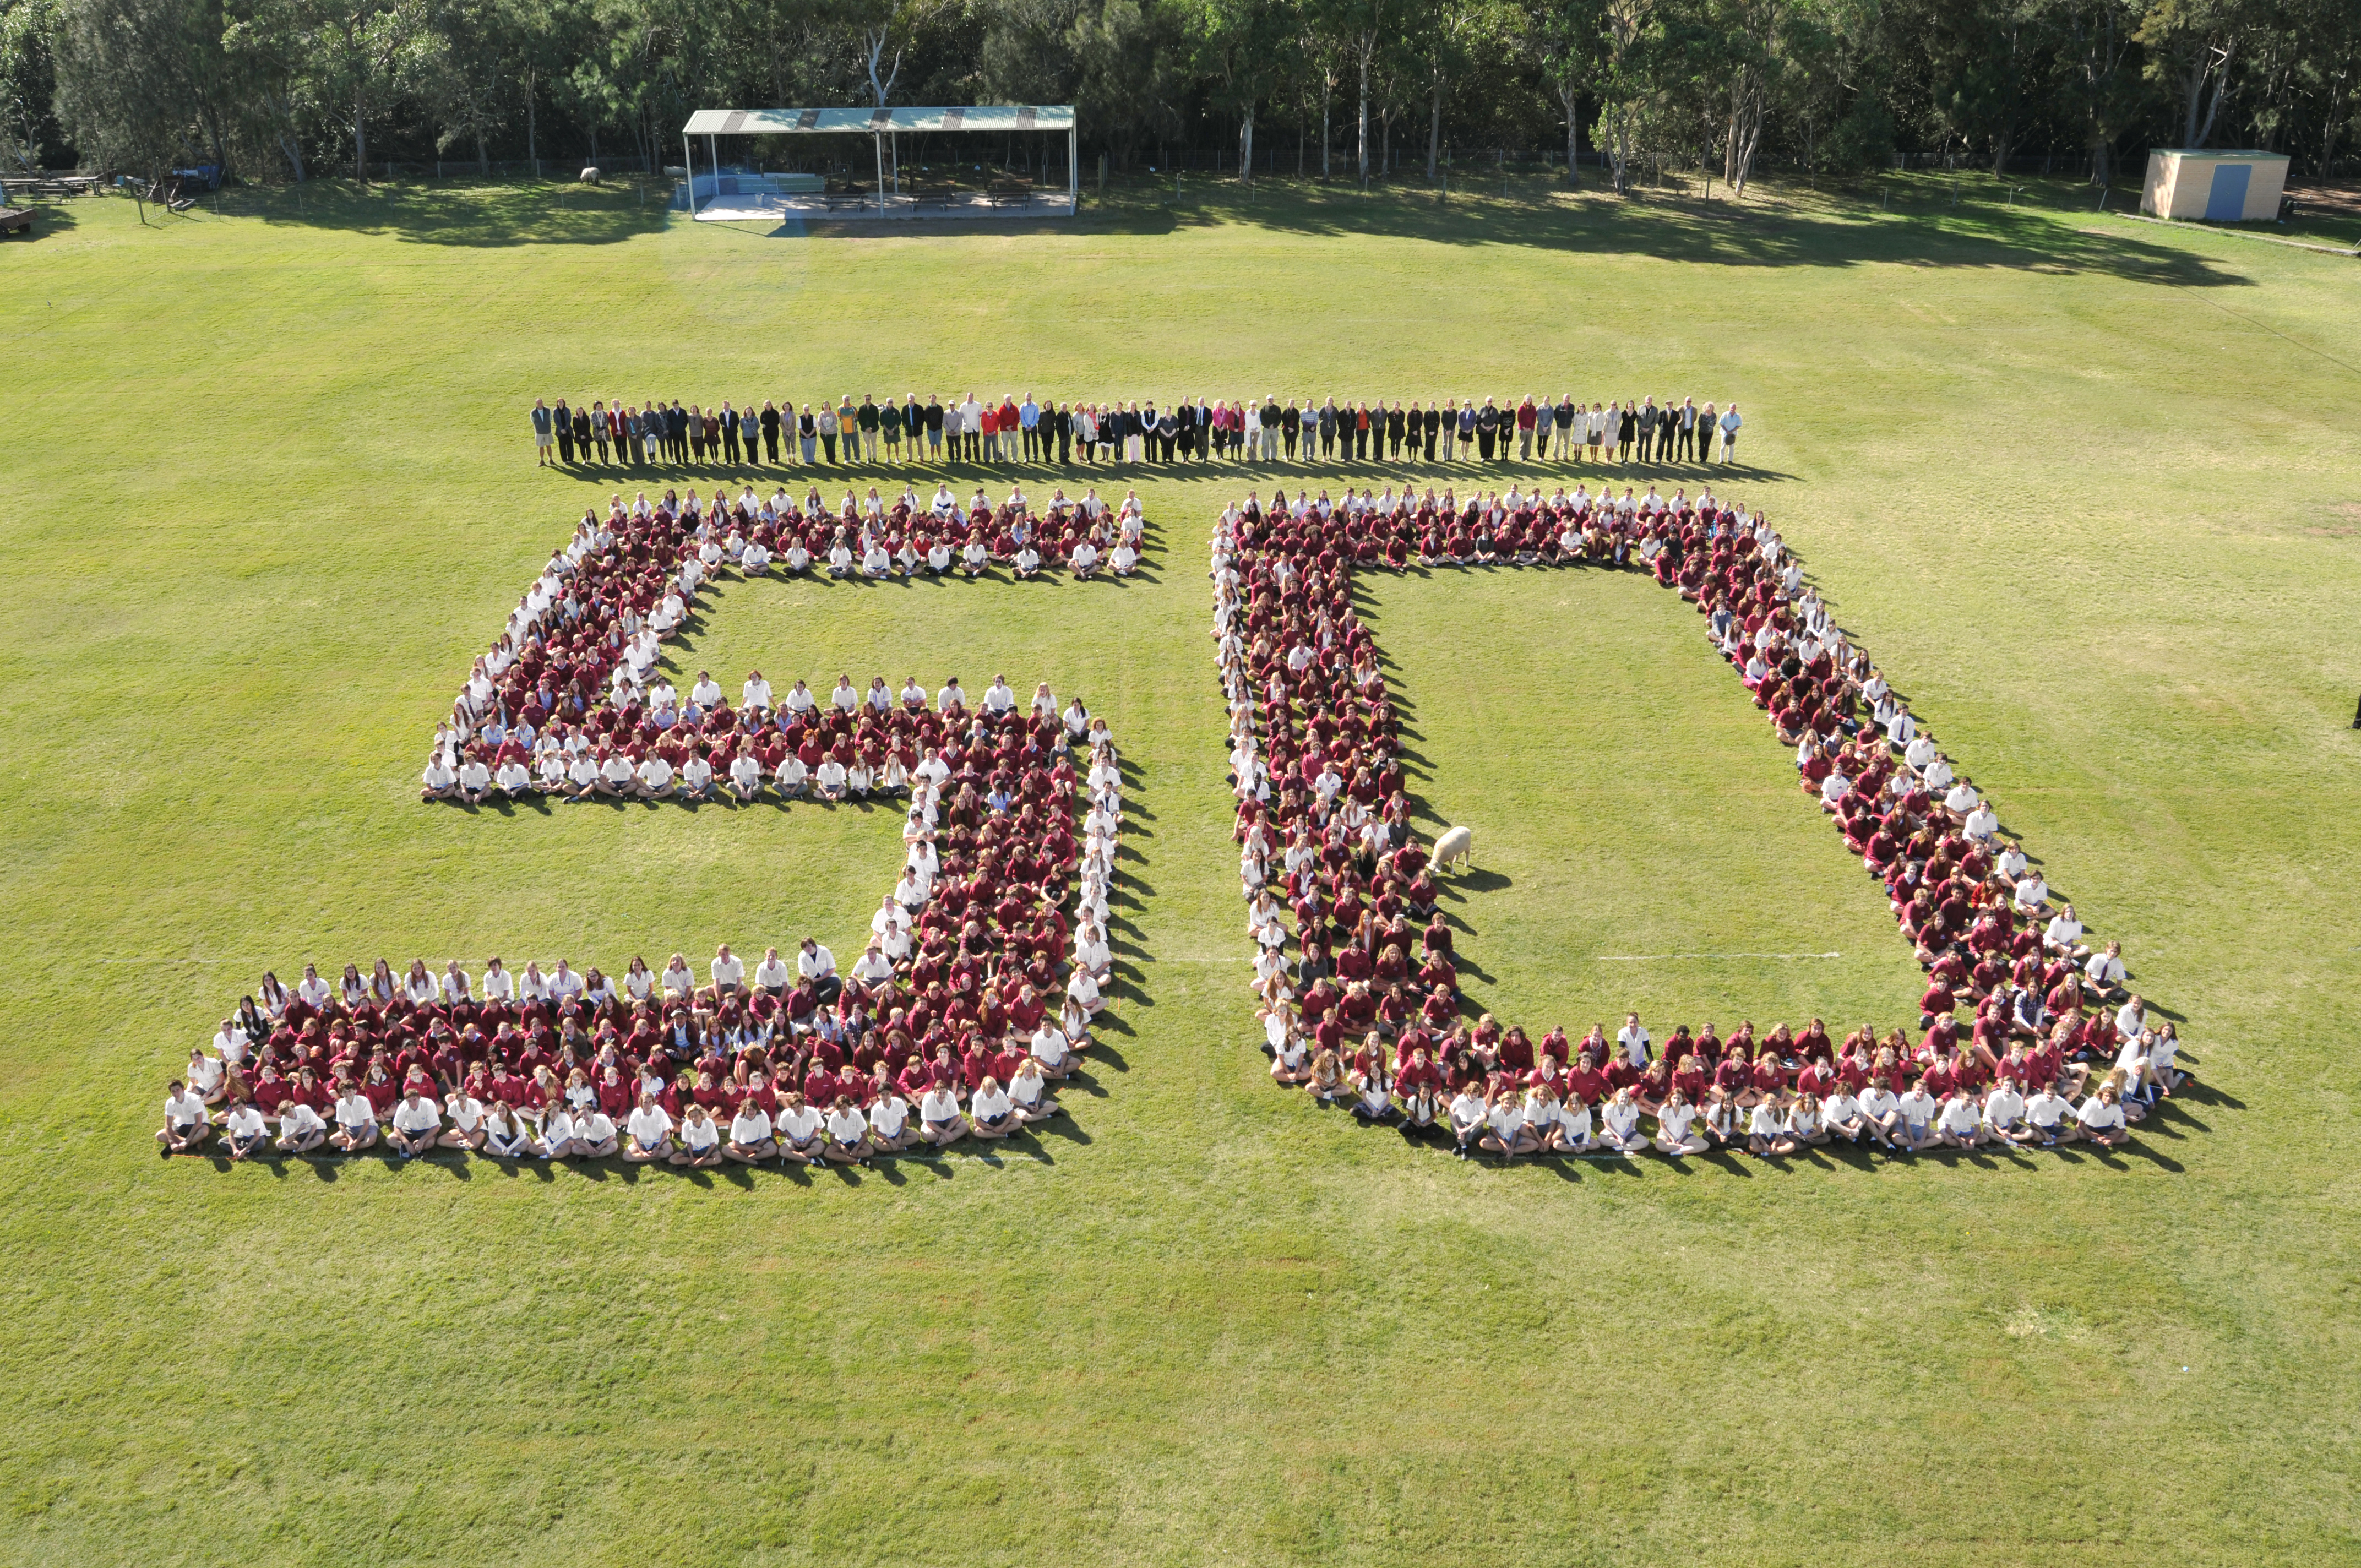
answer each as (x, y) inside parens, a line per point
(2090, 489)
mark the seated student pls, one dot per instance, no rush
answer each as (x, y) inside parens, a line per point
(2047, 1117)
(939, 1120)
(1374, 1100)
(1025, 564)
(506, 1137)
(991, 1114)
(654, 779)
(187, 1123)
(466, 1129)
(1326, 1085)
(1470, 1117)
(1916, 1108)
(596, 1136)
(1842, 1116)
(798, 1128)
(1029, 1091)
(1507, 1132)
(749, 1141)
(697, 778)
(1675, 1133)
(1575, 1133)
(1880, 1111)
(474, 781)
(1721, 1122)
(300, 1129)
(891, 1130)
(1958, 1125)
(440, 779)
(847, 1134)
(1804, 1128)
(2101, 1118)
(1290, 1060)
(830, 781)
(416, 1125)
(582, 778)
(701, 1138)
(745, 777)
(651, 1132)
(2004, 1114)
(1620, 1124)
(355, 1121)
(1420, 1088)
(560, 1138)
(244, 1132)
(2104, 973)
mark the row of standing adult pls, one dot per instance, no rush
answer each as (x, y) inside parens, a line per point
(617, 432)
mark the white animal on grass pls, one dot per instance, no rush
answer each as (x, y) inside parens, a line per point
(590, 176)
(1454, 845)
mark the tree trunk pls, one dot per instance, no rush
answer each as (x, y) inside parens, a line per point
(1434, 128)
(1245, 147)
(1368, 46)
(1572, 99)
(360, 140)
(1327, 91)
(532, 142)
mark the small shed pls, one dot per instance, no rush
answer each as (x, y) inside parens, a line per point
(2220, 187)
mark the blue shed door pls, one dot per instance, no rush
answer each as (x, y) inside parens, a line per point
(2226, 202)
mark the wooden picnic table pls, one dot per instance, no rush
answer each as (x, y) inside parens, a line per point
(15, 218)
(1009, 192)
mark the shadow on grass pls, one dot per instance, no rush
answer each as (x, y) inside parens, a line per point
(1807, 231)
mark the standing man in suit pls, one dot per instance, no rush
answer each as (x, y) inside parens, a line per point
(1647, 429)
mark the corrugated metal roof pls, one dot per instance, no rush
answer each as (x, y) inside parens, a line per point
(817, 122)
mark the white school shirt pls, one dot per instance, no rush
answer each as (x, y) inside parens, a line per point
(558, 1126)
(771, 973)
(1575, 1117)
(887, 1117)
(990, 1104)
(1674, 1121)
(2004, 1105)
(2046, 1109)
(939, 1105)
(2063, 931)
(594, 1128)
(730, 970)
(650, 1125)
(1840, 1106)
(1959, 1115)
(245, 1122)
(2098, 1116)
(205, 1074)
(1620, 1117)
(354, 1111)
(419, 1117)
(300, 1120)
(1765, 1123)
(466, 1111)
(752, 1125)
(1877, 1102)
(1048, 1044)
(186, 1109)
(2104, 968)
(847, 1125)
(700, 1133)
(1468, 1110)
(799, 1125)
(1918, 1107)
(814, 964)
(1635, 1043)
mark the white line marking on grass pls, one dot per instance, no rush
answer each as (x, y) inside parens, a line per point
(1652, 958)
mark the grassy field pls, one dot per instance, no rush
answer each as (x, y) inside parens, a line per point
(2090, 489)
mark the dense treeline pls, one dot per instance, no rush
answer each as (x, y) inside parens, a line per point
(278, 89)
